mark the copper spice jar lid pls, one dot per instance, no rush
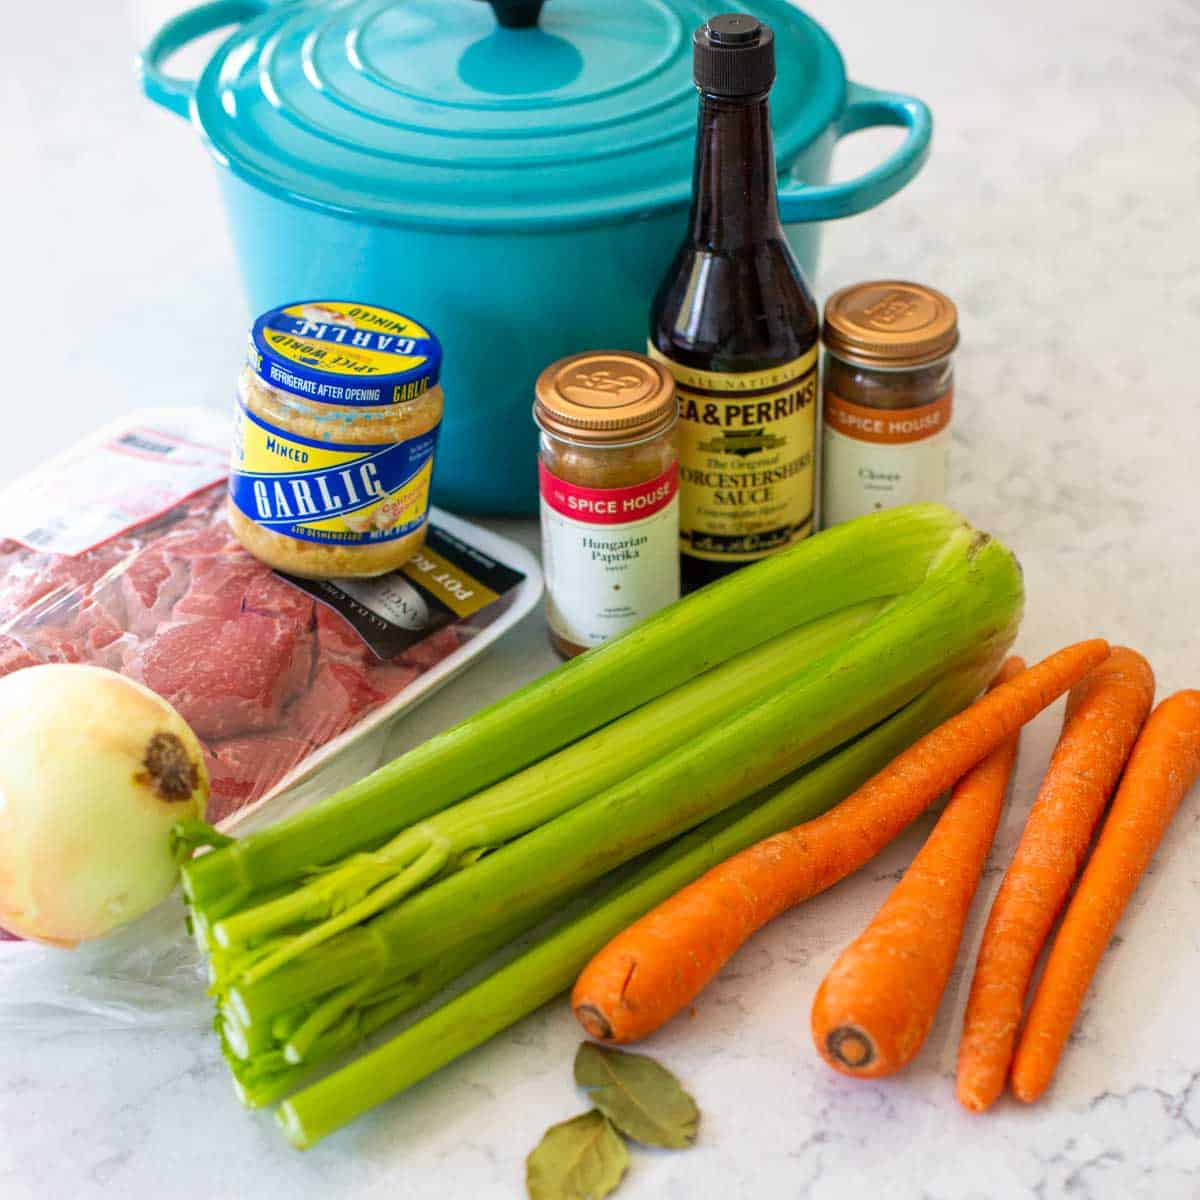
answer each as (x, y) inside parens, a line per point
(605, 397)
(890, 323)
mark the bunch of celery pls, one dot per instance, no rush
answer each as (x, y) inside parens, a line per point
(707, 718)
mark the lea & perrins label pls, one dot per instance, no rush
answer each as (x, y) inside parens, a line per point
(746, 458)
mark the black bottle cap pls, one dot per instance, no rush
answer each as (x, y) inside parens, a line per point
(734, 55)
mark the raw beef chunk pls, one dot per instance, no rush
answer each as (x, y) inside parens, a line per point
(218, 587)
(271, 596)
(98, 628)
(337, 638)
(432, 650)
(224, 677)
(340, 693)
(263, 673)
(51, 585)
(151, 585)
(241, 769)
(14, 656)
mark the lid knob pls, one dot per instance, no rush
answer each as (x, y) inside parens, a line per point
(734, 55)
(517, 14)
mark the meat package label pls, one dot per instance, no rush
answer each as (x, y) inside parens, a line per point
(348, 495)
(114, 485)
(445, 581)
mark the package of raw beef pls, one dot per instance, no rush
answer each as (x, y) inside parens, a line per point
(118, 554)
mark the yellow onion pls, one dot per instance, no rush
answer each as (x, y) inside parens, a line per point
(95, 770)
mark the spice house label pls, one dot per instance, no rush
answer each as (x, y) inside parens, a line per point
(878, 458)
(609, 554)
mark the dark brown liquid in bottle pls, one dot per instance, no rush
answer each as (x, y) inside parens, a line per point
(734, 299)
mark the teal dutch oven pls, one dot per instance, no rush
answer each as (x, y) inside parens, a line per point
(514, 174)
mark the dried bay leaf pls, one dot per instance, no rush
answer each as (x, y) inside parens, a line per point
(639, 1096)
(580, 1159)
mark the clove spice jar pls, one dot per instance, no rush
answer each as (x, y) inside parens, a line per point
(888, 392)
(609, 481)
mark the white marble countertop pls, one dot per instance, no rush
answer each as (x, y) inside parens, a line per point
(1059, 209)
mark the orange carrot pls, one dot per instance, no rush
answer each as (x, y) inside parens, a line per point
(646, 974)
(1163, 766)
(1104, 714)
(873, 1010)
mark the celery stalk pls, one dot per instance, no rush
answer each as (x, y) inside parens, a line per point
(970, 601)
(368, 883)
(885, 554)
(548, 968)
(272, 1071)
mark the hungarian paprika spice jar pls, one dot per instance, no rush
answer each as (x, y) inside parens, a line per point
(609, 482)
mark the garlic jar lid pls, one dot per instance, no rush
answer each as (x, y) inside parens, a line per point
(890, 323)
(346, 353)
(605, 397)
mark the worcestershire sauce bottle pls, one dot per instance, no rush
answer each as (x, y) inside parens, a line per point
(736, 325)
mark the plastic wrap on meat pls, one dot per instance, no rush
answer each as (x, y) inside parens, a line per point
(14, 655)
(432, 650)
(262, 672)
(236, 767)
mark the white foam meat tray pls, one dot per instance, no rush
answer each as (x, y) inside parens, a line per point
(524, 599)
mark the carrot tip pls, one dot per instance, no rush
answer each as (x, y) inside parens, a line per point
(594, 1022)
(1026, 1094)
(973, 1102)
(850, 1047)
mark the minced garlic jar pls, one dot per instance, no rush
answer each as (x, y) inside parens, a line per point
(337, 418)
(609, 481)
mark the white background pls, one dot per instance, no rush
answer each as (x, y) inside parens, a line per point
(1060, 210)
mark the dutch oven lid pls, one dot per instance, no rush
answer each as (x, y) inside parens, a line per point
(497, 114)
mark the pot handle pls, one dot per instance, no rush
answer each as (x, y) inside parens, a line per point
(169, 90)
(866, 108)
